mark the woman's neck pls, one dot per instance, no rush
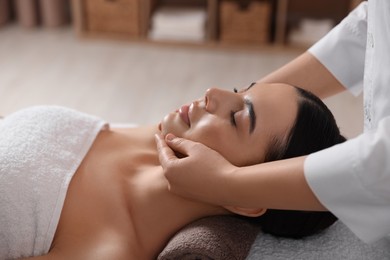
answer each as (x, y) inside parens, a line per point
(157, 214)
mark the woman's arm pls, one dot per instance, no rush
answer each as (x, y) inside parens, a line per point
(219, 182)
(277, 185)
(338, 59)
(307, 72)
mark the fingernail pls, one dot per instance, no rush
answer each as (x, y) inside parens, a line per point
(170, 137)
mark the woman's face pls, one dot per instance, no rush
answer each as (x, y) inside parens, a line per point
(240, 126)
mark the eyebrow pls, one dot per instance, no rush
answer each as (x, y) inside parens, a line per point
(250, 85)
(245, 89)
(252, 115)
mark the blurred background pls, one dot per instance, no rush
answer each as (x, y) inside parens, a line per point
(133, 61)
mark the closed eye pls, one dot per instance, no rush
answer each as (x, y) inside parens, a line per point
(232, 119)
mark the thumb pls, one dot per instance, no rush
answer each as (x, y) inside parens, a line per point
(180, 145)
(165, 153)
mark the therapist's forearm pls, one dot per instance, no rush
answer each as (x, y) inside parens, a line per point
(255, 186)
(306, 72)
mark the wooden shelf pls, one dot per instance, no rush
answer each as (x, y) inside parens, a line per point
(136, 23)
(110, 18)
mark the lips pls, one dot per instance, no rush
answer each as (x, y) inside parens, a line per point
(183, 112)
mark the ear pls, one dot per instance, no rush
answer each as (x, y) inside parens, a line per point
(248, 212)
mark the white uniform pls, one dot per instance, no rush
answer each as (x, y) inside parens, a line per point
(353, 179)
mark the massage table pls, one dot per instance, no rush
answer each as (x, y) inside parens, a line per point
(231, 237)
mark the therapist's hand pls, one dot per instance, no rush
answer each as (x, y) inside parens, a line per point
(200, 173)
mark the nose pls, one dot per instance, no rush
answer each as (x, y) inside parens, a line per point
(217, 99)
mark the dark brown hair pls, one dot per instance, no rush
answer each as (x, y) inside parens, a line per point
(314, 129)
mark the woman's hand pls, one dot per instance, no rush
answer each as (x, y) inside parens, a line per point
(195, 171)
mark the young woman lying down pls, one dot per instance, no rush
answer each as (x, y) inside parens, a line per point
(72, 187)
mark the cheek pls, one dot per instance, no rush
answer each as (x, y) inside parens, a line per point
(219, 136)
(205, 131)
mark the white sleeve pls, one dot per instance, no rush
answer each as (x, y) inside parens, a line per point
(342, 50)
(352, 180)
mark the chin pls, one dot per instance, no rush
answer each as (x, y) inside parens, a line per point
(165, 129)
(164, 124)
(171, 124)
(162, 129)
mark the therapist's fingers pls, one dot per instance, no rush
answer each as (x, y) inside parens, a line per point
(171, 149)
(182, 147)
(197, 175)
(173, 167)
(165, 154)
(180, 159)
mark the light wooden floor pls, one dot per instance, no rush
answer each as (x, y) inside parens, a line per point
(130, 81)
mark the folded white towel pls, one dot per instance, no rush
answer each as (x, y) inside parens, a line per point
(40, 150)
(178, 23)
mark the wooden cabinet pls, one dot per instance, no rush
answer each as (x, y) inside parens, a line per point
(113, 18)
(269, 22)
(132, 18)
(245, 23)
(4, 12)
(120, 16)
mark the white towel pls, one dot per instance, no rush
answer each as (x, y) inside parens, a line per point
(40, 150)
(178, 23)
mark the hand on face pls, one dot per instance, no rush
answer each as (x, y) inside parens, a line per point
(199, 181)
